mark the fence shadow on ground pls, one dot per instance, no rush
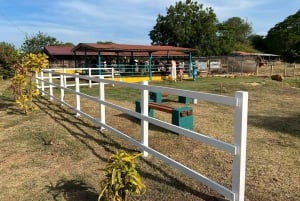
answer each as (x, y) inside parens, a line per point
(289, 125)
(72, 190)
(9, 105)
(70, 122)
(151, 126)
(66, 118)
(171, 181)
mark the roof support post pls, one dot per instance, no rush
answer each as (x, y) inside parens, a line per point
(150, 65)
(75, 62)
(118, 61)
(190, 65)
(131, 63)
(99, 63)
(85, 59)
(168, 55)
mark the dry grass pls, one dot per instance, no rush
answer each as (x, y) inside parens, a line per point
(52, 155)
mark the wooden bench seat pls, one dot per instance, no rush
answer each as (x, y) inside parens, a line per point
(182, 116)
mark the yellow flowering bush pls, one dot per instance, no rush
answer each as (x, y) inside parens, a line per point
(23, 83)
(35, 62)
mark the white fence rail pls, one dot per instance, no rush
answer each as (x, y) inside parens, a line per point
(237, 149)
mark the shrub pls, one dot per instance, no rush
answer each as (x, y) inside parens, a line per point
(121, 178)
(23, 83)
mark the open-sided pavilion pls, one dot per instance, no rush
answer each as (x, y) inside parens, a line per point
(133, 51)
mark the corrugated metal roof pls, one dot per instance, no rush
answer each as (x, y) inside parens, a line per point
(58, 50)
(116, 49)
(91, 47)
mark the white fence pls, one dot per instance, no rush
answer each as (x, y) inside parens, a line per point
(237, 149)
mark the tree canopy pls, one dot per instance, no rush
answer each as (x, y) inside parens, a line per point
(9, 56)
(36, 43)
(233, 34)
(188, 24)
(284, 38)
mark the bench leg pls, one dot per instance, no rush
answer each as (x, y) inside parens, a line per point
(183, 99)
(186, 121)
(138, 109)
(156, 97)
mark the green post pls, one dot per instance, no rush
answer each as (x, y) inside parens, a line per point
(150, 65)
(99, 63)
(85, 61)
(190, 65)
(75, 62)
(138, 109)
(156, 97)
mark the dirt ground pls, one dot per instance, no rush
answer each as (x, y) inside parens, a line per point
(51, 154)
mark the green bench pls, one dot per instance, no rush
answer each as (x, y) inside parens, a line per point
(157, 97)
(182, 117)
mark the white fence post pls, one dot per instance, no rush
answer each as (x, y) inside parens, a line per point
(240, 141)
(90, 75)
(101, 106)
(42, 83)
(65, 77)
(62, 91)
(50, 86)
(144, 111)
(77, 90)
(36, 74)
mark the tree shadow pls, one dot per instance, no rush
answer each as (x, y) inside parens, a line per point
(68, 120)
(72, 190)
(9, 105)
(171, 181)
(289, 125)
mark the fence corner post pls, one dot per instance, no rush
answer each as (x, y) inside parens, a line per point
(101, 106)
(144, 111)
(50, 86)
(77, 96)
(62, 91)
(90, 75)
(240, 142)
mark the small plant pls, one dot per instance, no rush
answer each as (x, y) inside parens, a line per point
(122, 179)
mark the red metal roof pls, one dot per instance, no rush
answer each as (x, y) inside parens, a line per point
(116, 49)
(56, 50)
(91, 47)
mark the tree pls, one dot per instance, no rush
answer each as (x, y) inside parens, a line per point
(105, 42)
(258, 42)
(9, 56)
(234, 35)
(35, 43)
(187, 24)
(284, 38)
(68, 44)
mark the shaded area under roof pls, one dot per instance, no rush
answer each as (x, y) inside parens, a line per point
(241, 53)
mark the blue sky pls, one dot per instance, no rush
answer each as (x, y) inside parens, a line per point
(122, 21)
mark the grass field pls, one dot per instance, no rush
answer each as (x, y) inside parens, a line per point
(52, 155)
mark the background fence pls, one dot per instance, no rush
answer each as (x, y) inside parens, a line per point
(60, 82)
